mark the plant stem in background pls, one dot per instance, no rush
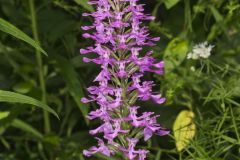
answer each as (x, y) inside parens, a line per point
(188, 17)
(47, 127)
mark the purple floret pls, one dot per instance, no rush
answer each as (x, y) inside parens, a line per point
(119, 40)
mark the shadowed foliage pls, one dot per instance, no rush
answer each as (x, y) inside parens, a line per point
(207, 89)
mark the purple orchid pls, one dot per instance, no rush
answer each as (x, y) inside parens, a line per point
(119, 38)
(101, 149)
(130, 152)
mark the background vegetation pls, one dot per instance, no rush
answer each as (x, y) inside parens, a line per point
(207, 90)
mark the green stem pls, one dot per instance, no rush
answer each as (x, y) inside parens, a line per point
(188, 18)
(47, 127)
(180, 156)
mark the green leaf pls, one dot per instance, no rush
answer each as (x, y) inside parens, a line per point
(27, 128)
(175, 53)
(219, 26)
(51, 141)
(14, 31)
(70, 76)
(4, 114)
(85, 5)
(22, 87)
(218, 17)
(5, 143)
(170, 3)
(12, 97)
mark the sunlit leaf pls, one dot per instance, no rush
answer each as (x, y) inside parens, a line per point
(11, 97)
(4, 114)
(14, 31)
(184, 129)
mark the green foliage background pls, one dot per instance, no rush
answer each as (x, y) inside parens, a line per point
(210, 88)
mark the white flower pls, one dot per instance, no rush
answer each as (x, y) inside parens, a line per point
(193, 68)
(201, 50)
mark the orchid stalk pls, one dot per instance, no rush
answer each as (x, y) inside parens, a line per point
(119, 38)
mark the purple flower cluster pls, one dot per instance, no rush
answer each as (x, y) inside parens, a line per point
(119, 38)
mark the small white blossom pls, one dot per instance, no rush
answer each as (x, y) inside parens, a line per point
(201, 50)
(193, 68)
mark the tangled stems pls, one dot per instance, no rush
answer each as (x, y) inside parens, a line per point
(119, 38)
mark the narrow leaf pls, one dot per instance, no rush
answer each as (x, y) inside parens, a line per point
(27, 128)
(11, 97)
(218, 17)
(14, 31)
(85, 5)
(4, 114)
(170, 3)
(75, 87)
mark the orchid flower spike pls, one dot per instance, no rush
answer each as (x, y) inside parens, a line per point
(119, 38)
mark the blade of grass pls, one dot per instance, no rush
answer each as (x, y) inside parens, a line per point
(85, 5)
(27, 128)
(75, 88)
(17, 33)
(235, 125)
(12, 97)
